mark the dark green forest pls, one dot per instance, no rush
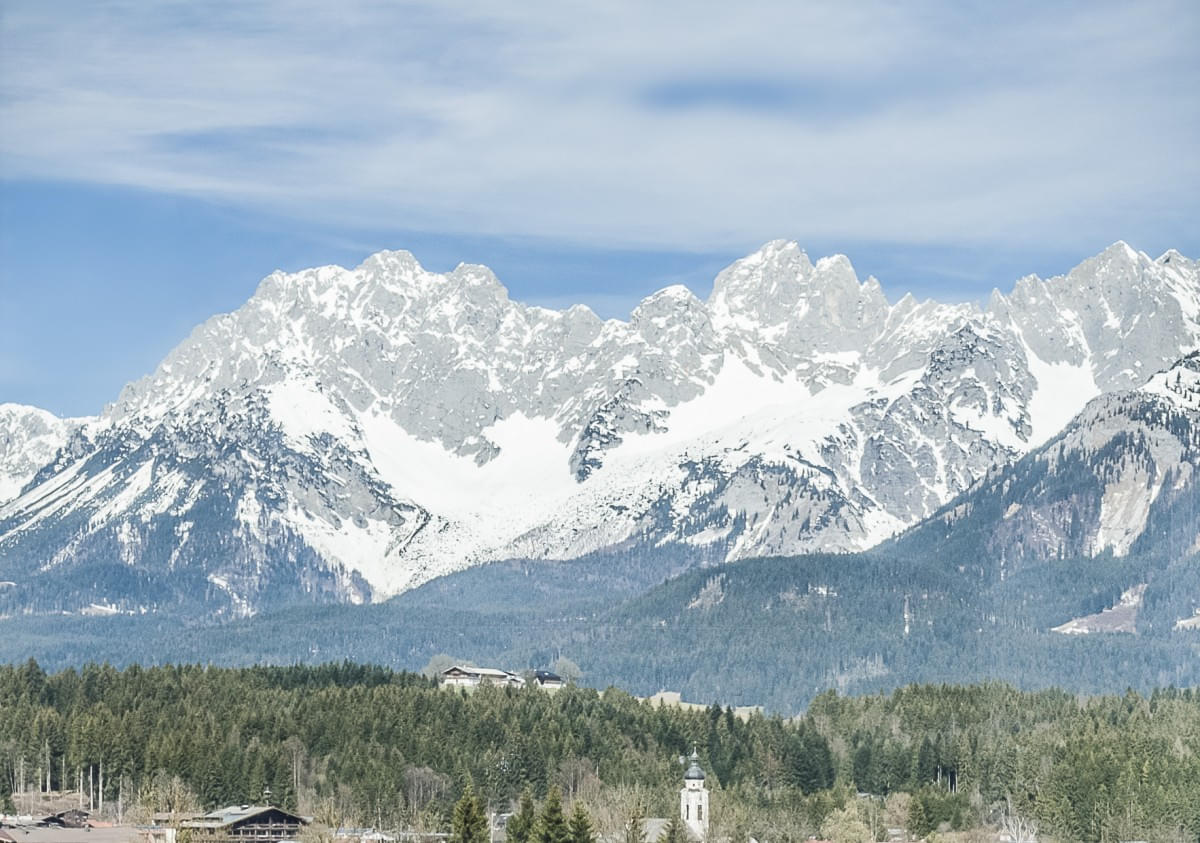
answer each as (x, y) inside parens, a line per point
(774, 632)
(366, 745)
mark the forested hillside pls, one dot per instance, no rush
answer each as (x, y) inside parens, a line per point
(773, 632)
(357, 744)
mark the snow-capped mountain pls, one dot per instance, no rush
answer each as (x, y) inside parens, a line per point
(1123, 476)
(29, 438)
(348, 434)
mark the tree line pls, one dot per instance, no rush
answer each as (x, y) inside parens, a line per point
(361, 745)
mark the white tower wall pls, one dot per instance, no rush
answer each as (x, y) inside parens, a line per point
(693, 807)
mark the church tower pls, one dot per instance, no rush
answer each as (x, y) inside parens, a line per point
(693, 800)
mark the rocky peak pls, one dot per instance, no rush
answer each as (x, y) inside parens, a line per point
(671, 304)
(1173, 258)
(760, 287)
(29, 439)
(1119, 313)
(480, 281)
(393, 264)
(782, 308)
(403, 423)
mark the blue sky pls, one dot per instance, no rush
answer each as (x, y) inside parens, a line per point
(156, 160)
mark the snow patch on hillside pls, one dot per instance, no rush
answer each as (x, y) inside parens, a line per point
(1121, 617)
(1062, 391)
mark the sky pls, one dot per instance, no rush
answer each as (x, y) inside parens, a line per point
(158, 159)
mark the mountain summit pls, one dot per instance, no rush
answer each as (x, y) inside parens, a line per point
(350, 433)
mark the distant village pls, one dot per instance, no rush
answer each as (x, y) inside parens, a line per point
(270, 824)
(465, 676)
(267, 823)
(460, 676)
(72, 817)
(262, 823)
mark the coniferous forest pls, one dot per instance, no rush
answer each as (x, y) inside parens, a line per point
(773, 632)
(354, 744)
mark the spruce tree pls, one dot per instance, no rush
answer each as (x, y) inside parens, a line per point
(580, 826)
(552, 825)
(521, 824)
(469, 824)
(926, 763)
(918, 825)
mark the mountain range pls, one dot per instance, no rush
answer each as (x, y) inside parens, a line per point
(350, 434)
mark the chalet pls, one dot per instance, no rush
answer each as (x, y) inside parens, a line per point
(549, 681)
(461, 676)
(73, 818)
(246, 824)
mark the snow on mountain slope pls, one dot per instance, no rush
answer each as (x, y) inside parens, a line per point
(1121, 477)
(29, 438)
(352, 433)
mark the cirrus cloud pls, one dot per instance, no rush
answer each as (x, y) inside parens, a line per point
(671, 125)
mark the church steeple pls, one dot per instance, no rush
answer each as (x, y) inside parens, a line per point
(693, 799)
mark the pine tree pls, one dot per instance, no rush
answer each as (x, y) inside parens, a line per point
(469, 824)
(521, 824)
(580, 826)
(552, 825)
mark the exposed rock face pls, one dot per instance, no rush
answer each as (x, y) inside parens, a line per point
(29, 438)
(347, 434)
(1121, 477)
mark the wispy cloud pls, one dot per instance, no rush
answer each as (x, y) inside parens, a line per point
(664, 125)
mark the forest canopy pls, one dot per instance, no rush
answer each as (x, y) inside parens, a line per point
(364, 744)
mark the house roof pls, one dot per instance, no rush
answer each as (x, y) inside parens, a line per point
(653, 828)
(491, 672)
(546, 676)
(237, 813)
(72, 818)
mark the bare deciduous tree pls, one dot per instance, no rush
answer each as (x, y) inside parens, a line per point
(422, 785)
(1020, 829)
(577, 778)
